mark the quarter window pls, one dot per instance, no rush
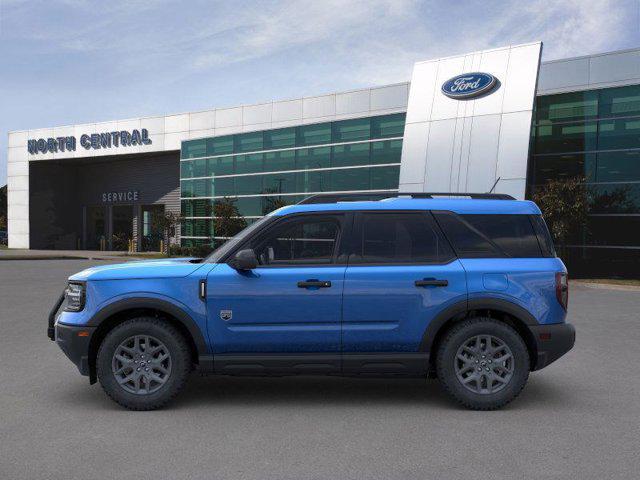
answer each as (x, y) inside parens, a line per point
(399, 238)
(487, 236)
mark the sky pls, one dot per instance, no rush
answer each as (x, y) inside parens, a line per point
(65, 62)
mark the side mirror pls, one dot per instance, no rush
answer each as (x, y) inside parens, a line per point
(244, 260)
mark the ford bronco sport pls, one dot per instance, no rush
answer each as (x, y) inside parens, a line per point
(463, 287)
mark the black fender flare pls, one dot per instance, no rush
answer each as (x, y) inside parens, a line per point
(463, 307)
(133, 303)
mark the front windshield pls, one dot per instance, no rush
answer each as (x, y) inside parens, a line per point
(225, 248)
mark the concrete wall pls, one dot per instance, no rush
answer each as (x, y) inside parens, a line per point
(466, 145)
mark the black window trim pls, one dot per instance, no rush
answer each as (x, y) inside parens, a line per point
(339, 257)
(357, 230)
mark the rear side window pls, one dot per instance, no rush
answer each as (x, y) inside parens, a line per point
(400, 238)
(490, 236)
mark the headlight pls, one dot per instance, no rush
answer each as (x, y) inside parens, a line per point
(75, 297)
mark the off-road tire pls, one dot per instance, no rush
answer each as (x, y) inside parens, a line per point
(180, 356)
(446, 358)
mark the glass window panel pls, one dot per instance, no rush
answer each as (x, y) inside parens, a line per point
(388, 151)
(223, 187)
(614, 198)
(250, 206)
(193, 168)
(195, 188)
(566, 107)
(513, 234)
(385, 178)
(309, 240)
(194, 242)
(313, 134)
(279, 183)
(221, 166)
(615, 134)
(220, 145)
(388, 126)
(197, 228)
(574, 137)
(613, 230)
(186, 188)
(196, 208)
(313, 181)
(554, 167)
(618, 167)
(248, 142)
(285, 160)
(249, 163)
(280, 138)
(620, 102)
(249, 185)
(352, 130)
(319, 157)
(347, 155)
(349, 179)
(399, 238)
(194, 148)
(269, 204)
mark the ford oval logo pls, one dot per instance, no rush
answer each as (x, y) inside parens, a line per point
(469, 85)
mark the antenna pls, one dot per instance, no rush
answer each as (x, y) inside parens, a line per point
(494, 185)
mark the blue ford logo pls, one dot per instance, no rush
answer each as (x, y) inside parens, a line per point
(468, 85)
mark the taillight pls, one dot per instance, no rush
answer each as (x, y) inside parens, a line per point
(562, 289)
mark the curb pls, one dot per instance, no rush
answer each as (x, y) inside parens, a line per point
(607, 286)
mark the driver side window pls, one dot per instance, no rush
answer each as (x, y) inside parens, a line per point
(308, 240)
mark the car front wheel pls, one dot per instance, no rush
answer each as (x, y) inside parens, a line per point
(143, 363)
(483, 363)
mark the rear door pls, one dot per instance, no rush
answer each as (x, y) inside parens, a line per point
(401, 274)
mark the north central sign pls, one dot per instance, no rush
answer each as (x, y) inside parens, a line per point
(469, 85)
(93, 141)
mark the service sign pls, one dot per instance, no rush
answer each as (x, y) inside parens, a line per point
(93, 141)
(469, 85)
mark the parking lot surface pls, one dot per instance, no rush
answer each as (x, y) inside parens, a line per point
(578, 418)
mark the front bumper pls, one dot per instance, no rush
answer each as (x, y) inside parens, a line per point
(552, 342)
(74, 342)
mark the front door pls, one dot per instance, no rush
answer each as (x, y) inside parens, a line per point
(290, 305)
(401, 273)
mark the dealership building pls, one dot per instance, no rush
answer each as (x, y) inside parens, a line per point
(497, 120)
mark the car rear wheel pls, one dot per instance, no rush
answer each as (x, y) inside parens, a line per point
(483, 363)
(143, 363)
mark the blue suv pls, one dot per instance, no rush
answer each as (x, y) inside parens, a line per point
(463, 287)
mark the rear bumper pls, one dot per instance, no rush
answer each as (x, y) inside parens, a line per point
(74, 342)
(552, 342)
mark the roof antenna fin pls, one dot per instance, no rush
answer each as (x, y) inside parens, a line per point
(494, 185)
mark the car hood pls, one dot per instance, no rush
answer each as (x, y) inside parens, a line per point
(166, 268)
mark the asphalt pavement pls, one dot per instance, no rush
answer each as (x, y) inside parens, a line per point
(579, 418)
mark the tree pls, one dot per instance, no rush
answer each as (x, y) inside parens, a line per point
(165, 223)
(565, 205)
(228, 221)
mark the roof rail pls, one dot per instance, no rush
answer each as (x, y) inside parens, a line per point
(365, 196)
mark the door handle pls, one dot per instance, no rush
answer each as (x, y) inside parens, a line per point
(431, 282)
(314, 283)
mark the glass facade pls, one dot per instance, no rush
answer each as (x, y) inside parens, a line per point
(267, 169)
(594, 135)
